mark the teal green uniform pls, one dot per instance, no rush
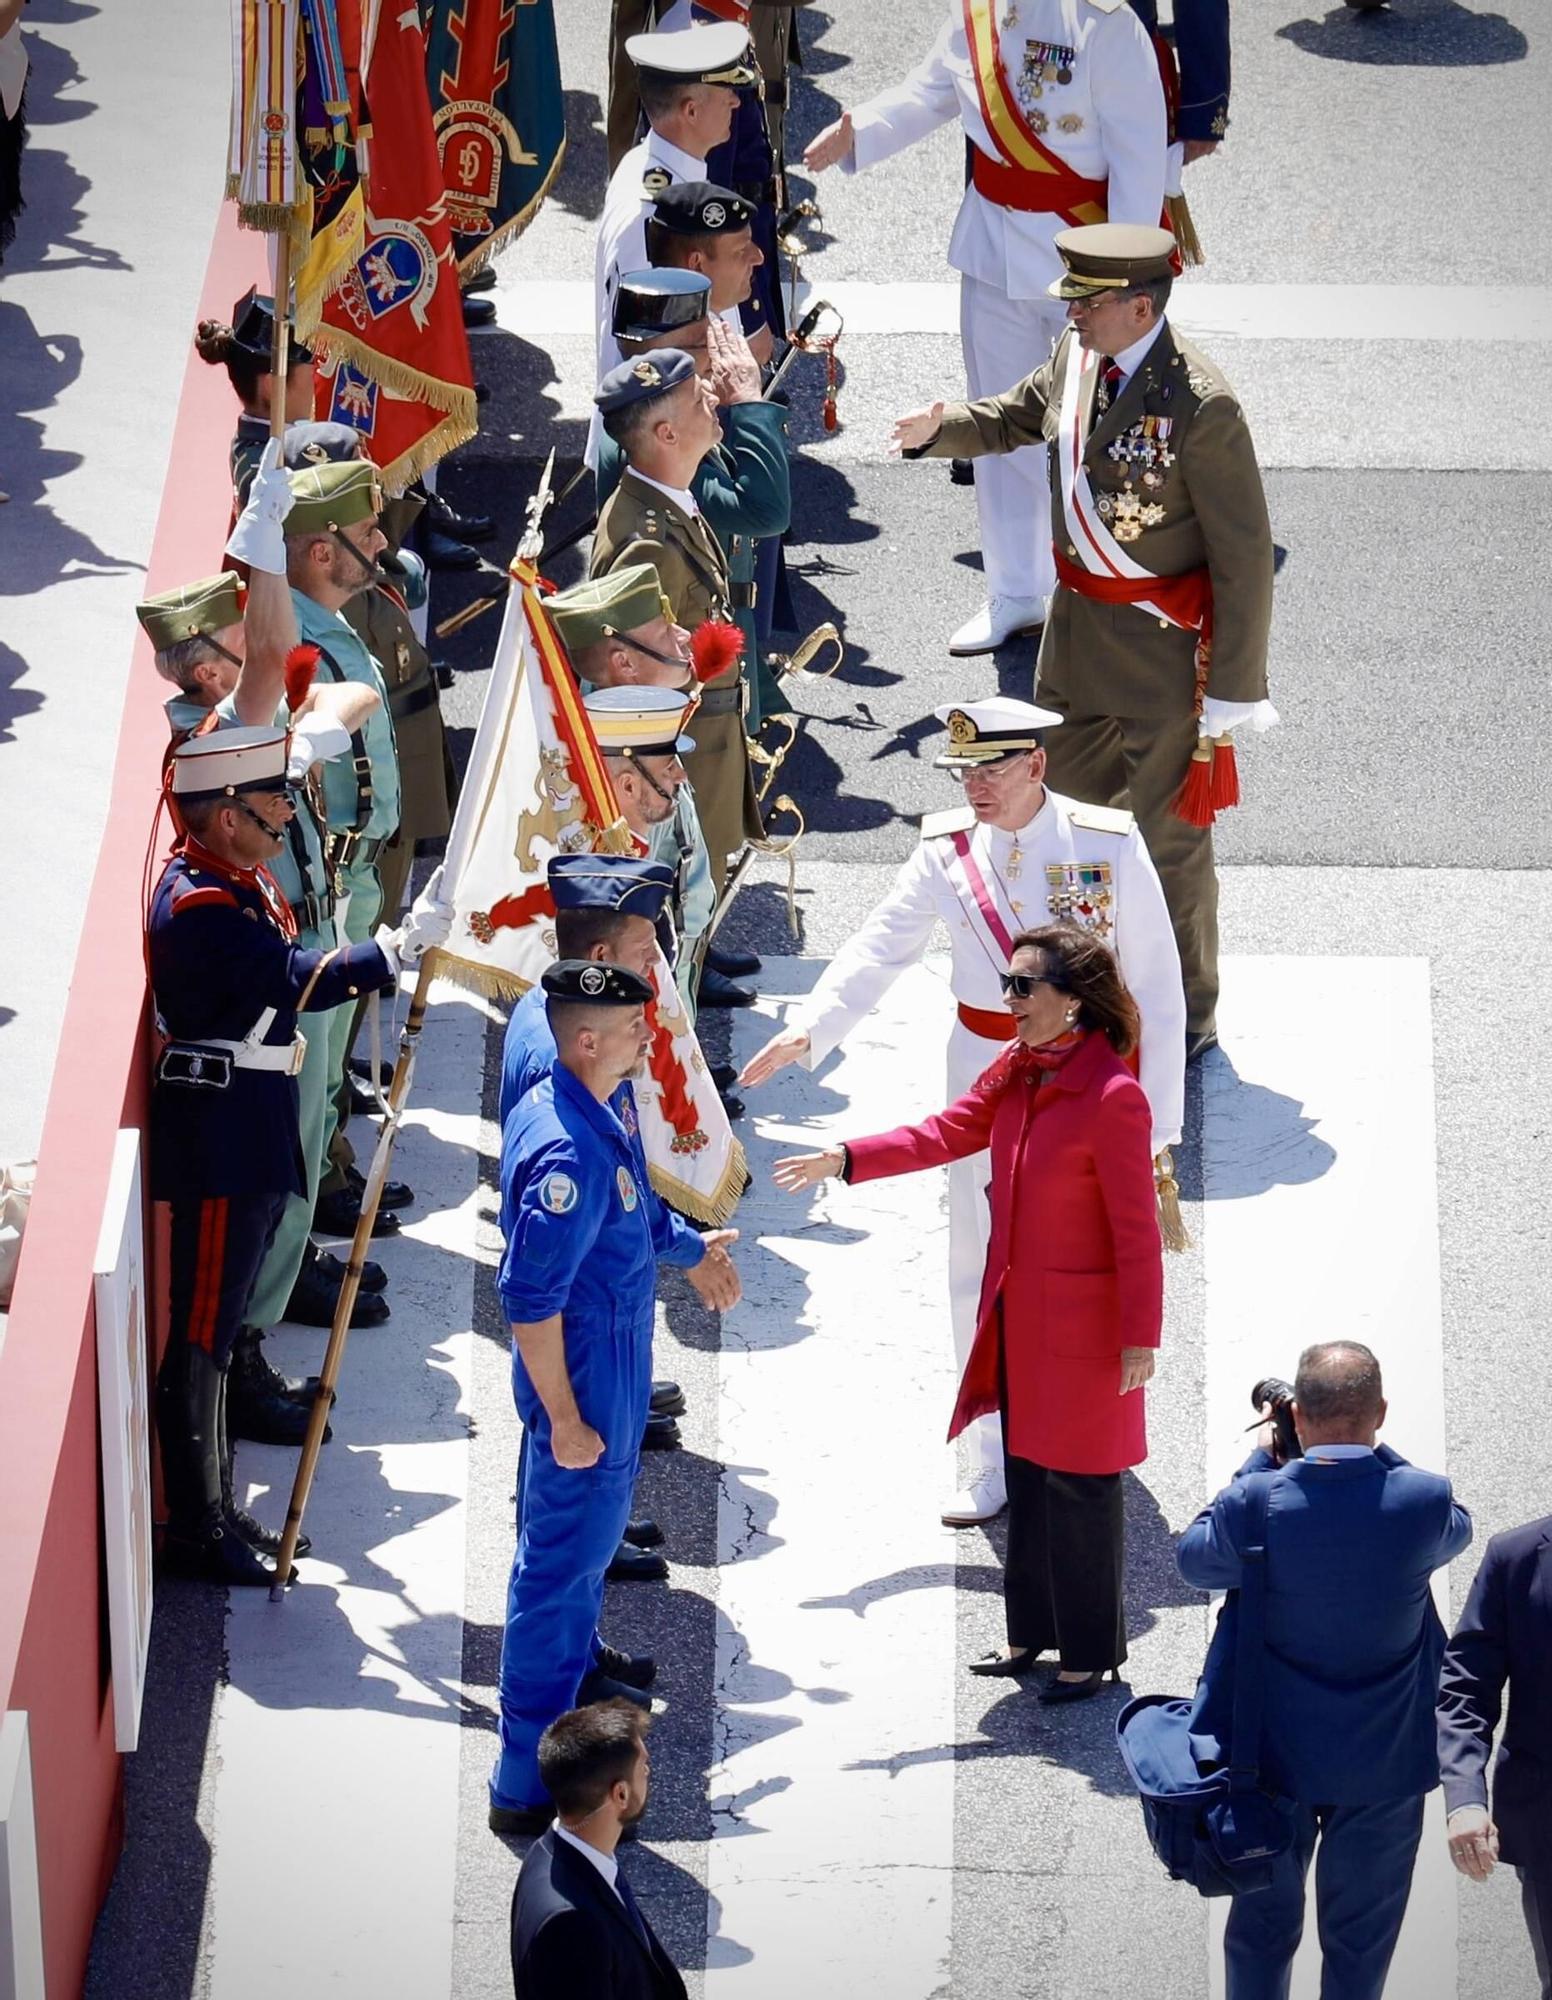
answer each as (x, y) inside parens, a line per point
(744, 489)
(680, 842)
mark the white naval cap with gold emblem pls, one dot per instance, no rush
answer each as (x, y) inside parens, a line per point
(709, 52)
(979, 732)
(224, 762)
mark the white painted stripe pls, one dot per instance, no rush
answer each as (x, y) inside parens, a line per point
(336, 1815)
(833, 1800)
(1321, 1220)
(555, 309)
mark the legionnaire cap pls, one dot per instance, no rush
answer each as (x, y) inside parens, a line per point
(333, 496)
(314, 443)
(980, 732)
(620, 882)
(647, 303)
(227, 761)
(637, 381)
(713, 52)
(1111, 257)
(701, 208)
(623, 601)
(597, 985)
(194, 610)
(640, 721)
(253, 328)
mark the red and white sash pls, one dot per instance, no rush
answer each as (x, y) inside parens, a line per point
(995, 924)
(1098, 550)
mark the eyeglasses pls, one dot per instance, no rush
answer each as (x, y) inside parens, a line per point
(1025, 984)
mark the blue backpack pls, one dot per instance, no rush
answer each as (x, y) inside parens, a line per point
(1218, 1829)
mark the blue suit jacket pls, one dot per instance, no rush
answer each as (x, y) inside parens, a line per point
(1352, 1638)
(1504, 1636)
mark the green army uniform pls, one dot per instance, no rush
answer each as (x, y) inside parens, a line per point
(1123, 680)
(640, 524)
(744, 489)
(679, 842)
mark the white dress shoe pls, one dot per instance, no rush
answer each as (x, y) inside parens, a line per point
(983, 1500)
(999, 619)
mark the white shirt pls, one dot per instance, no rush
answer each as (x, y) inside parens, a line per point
(925, 893)
(606, 1864)
(681, 496)
(1130, 359)
(1115, 95)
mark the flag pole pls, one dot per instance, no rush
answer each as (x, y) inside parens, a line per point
(280, 348)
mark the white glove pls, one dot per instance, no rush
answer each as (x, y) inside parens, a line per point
(314, 741)
(259, 539)
(428, 923)
(1219, 717)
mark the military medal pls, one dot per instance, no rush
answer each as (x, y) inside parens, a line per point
(1081, 892)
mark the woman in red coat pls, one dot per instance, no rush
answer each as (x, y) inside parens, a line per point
(1072, 1300)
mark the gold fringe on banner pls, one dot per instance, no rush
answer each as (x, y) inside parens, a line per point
(1172, 1226)
(1183, 228)
(513, 227)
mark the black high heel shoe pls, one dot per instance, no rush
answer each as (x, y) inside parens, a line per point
(1056, 1691)
(1005, 1666)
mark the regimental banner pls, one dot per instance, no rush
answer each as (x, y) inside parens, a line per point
(394, 357)
(537, 786)
(494, 75)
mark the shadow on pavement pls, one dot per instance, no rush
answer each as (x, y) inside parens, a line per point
(1418, 34)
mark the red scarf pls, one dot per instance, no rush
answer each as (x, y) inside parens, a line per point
(1018, 1059)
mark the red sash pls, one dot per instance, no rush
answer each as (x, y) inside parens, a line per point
(1034, 194)
(1032, 177)
(1186, 599)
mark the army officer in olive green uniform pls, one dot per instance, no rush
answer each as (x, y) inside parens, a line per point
(1157, 634)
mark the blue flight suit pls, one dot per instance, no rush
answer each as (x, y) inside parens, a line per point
(584, 1232)
(527, 1051)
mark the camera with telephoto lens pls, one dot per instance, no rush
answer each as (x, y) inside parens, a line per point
(1279, 1395)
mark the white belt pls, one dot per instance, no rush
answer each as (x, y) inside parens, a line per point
(248, 1054)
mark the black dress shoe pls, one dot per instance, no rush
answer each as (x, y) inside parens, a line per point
(961, 471)
(644, 1534)
(661, 1434)
(632, 1565)
(482, 392)
(724, 1076)
(734, 964)
(213, 1550)
(1055, 1692)
(444, 516)
(313, 1300)
(338, 1213)
(717, 990)
(732, 1104)
(598, 1686)
(266, 1540)
(667, 1399)
(1005, 1666)
(362, 1066)
(520, 1822)
(270, 1420)
(637, 1670)
(395, 1194)
(483, 280)
(479, 312)
(332, 1270)
(1199, 1041)
(442, 552)
(363, 1100)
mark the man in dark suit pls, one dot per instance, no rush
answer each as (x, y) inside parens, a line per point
(1504, 1638)
(576, 1927)
(1353, 1645)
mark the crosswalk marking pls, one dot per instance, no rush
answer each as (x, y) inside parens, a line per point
(1320, 1220)
(833, 1799)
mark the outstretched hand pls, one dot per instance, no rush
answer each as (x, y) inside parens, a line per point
(790, 1046)
(834, 144)
(716, 1277)
(805, 1170)
(913, 432)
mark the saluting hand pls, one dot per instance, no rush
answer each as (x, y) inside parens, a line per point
(716, 1277)
(735, 374)
(833, 145)
(805, 1170)
(790, 1046)
(1136, 1368)
(576, 1446)
(911, 433)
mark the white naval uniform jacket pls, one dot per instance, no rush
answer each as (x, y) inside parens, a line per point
(1064, 833)
(1115, 93)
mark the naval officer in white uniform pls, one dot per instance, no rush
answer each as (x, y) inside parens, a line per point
(689, 81)
(1080, 80)
(1014, 856)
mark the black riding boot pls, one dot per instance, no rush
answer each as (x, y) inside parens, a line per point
(253, 1531)
(261, 1404)
(200, 1539)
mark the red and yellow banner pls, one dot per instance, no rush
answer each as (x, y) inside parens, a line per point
(1071, 195)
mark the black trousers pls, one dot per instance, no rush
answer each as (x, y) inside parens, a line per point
(217, 1247)
(1536, 1902)
(1066, 1565)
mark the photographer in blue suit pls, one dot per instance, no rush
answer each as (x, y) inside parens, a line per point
(1353, 1645)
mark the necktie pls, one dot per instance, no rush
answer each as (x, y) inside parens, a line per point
(1109, 386)
(633, 1909)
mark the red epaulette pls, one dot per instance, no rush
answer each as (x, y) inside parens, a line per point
(203, 898)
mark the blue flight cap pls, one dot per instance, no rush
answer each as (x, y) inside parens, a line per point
(648, 376)
(621, 882)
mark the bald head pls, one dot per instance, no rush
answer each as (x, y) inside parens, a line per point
(1338, 1395)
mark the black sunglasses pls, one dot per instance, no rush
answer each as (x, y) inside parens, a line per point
(1025, 983)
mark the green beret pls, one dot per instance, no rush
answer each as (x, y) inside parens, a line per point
(194, 610)
(623, 601)
(333, 496)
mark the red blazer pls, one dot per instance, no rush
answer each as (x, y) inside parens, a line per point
(1075, 1262)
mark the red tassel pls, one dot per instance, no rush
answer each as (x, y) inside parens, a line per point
(301, 667)
(832, 416)
(714, 647)
(1193, 802)
(1225, 775)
